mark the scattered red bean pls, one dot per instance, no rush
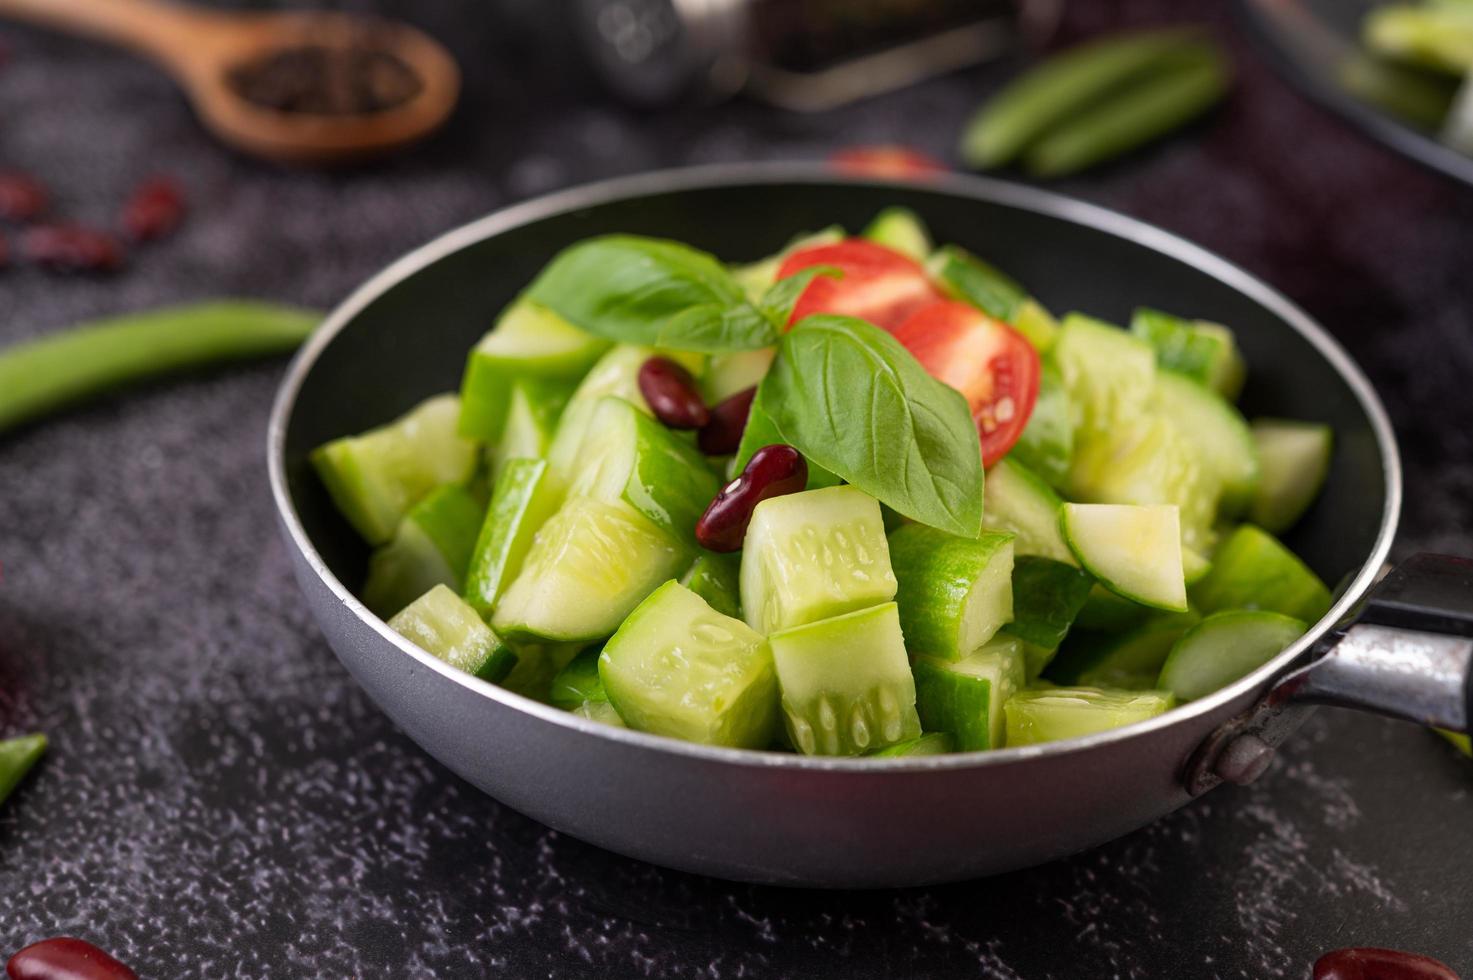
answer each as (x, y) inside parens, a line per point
(723, 433)
(154, 209)
(72, 248)
(65, 958)
(771, 472)
(1370, 963)
(22, 197)
(672, 395)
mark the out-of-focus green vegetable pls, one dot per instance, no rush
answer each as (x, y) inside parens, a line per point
(1420, 97)
(1461, 741)
(17, 756)
(1437, 36)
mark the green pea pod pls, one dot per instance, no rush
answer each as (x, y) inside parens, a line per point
(1058, 88)
(17, 756)
(46, 374)
(1149, 108)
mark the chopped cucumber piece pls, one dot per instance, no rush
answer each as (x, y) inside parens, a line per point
(846, 683)
(677, 667)
(588, 567)
(521, 502)
(727, 374)
(374, 478)
(1108, 373)
(1018, 502)
(1053, 714)
(901, 230)
(972, 280)
(578, 683)
(1252, 570)
(449, 630)
(538, 664)
(1205, 352)
(1224, 647)
(18, 756)
(932, 743)
(966, 697)
(1194, 567)
(1217, 432)
(1036, 324)
(531, 422)
(600, 711)
(1131, 660)
(1133, 551)
(529, 342)
(717, 578)
(1047, 444)
(1047, 596)
(812, 555)
(1106, 612)
(432, 547)
(954, 593)
(757, 277)
(1295, 459)
(760, 431)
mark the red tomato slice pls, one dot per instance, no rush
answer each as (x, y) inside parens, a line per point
(879, 285)
(989, 362)
(890, 161)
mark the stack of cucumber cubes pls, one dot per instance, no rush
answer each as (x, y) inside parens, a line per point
(537, 530)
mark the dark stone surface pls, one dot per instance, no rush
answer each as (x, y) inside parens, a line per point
(222, 801)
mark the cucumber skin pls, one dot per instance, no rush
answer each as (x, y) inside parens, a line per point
(1128, 661)
(448, 629)
(1207, 354)
(967, 706)
(544, 402)
(432, 547)
(1106, 612)
(521, 503)
(1253, 570)
(1018, 502)
(1258, 637)
(1047, 597)
(935, 573)
(578, 683)
(931, 743)
(968, 278)
(717, 579)
(1073, 534)
(1079, 711)
(17, 757)
(1046, 446)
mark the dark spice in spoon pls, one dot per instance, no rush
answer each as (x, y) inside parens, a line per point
(325, 80)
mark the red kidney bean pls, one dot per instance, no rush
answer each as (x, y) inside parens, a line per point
(672, 395)
(1370, 963)
(22, 197)
(72, 248)
(154, 209)
(65, 958)
(723, 433)
(771, 472)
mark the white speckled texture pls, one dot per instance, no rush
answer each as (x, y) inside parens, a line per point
(222, 801)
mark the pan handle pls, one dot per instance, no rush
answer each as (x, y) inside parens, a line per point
(1407, 653)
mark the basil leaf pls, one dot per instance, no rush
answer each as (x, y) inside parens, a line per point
(778, 302)
(652, 292)
(849, 397)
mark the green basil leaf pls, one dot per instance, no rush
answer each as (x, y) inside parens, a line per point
(653, 292)
(850, 398)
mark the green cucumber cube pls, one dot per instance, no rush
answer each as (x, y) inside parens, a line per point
(717, 578)
(1219, 435)
(846, 683)
(18, 756)
(537, 666)
(531, 421)
(1021, 504)
(1130, 660)
(1047, 444)
(1224, 647)
(449, 630)
(727, 374)
(432, 547)
(578, 683)
(1205, 352)
(1106, 612)
(1036, 324)
(522, 500)
(954, 593)
(374, 478)
(1294, 458)
(931, 743)
(600, 711)
(966, 697)
(1053, 714)
(900, 230)
(677, 667)
(1252, 570)
(1047, 596)
(813, 555)
(1108, 373)
(970, 279)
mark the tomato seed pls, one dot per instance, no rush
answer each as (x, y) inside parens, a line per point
(154, 209)
(671, 393)
(771, 472)
(72, 248)
(723, 433)
(1370, 963)
(65, 958)
(22, 197)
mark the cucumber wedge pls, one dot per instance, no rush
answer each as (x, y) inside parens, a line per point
(966, 697)
(1194, 567)
(932, 743)
(1252, 570)
(374, 478)
(1217, 432)
(522, 500)
(954, 593)
(578, 683)
(717, 578)
(1019, 503)
(1036, 324)
(449, 630)
(1295, 459)
(1129, 661)
(588, 567)
(1205, 352)
(846, 683)
(529, 341)
(727, 374)
(432, 547)
(531, 421)
(1108, 373)
(1133, 551)
(1047, 444)
(628, 456)
(1106, 612)
(677, 667)
(1047, 596)
(538, 664)
(968, 278)
(813, 555)
(1224, 647)
(900, 230)
(1054, 714)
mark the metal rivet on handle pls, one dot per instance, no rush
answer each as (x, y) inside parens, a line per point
(1245, 759)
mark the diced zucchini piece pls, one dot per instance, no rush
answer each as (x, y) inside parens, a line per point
(760, 431)
(1205, 352)
(812, 555)
(1047, 596)
(727, 374)
(974, 281)
(1218, 434)
(531, 422)
(521, 502)
(1131, 660)
(846, 683)
(1133, 551)
(1054, 714)
(1252, 570)
(1021, 504)
(1106, 612)
(432, 547)
(1036, 324)
(18, 756)
(1294, 458)
(966, 697)
(1108, 373)
(954, 593)
(931, 743)
(529, 341)
(757, 277)
(677, 667)
(1047, 444)
(374, 478)
(901, 230)
(578, 682)
(717, 578)
(1224, 647)
(629, 456)
(588, 567)
(449, 630)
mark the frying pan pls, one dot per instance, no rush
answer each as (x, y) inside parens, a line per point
(780, 818)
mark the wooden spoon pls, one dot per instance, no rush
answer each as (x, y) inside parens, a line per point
(201, 48)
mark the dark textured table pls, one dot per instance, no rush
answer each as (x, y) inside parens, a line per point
(222, 801)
